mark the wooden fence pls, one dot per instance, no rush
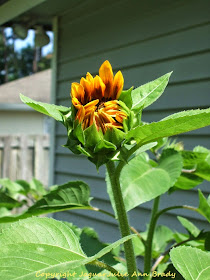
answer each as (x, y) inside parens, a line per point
(24, 157)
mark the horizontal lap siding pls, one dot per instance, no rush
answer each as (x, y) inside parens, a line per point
(144, 41)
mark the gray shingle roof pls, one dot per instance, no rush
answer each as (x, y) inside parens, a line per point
(36, 86)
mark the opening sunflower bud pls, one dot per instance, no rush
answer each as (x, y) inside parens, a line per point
(100, 118)
(96, 99)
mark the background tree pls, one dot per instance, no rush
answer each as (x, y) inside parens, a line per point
(15, 64)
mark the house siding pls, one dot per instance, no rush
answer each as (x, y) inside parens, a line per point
(144, 39)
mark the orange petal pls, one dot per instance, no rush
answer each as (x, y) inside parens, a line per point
(112, 107)
(89, 77)
(92, 103)
(91, 118)
(88, 87)
(112, 102)
(85, 123)
(111, 113)
(99, 88)
(110, 125)
(98, 122)
(106, 118)
(78, 91)
(118, 85)
(80, 114)
(120, 116)
(76, 103)
(106, 74)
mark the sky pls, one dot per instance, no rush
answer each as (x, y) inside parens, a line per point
(30, 41)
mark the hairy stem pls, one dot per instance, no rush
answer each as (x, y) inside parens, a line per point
(148, 248)
(114, 176)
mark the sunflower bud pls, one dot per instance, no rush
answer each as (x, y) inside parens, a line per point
(99, 119)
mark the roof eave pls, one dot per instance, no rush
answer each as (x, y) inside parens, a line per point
(11, 10)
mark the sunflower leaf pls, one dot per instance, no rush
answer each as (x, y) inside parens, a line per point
(72, 195)
(171, 161)
(192, 263)
(148, 93)
(43, 246)
(204, 206)
(190, 227)
(50, 110)
(137, 183)
(172, 125)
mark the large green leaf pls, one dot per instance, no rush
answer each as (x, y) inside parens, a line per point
(150, 92)
(37, 246)
(171, 162)
(140, 182)
(72, 195)
(192, 263)
(174, 124)
(50, 110)
(204, 206)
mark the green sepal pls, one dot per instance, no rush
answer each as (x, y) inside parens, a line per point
(126, 125)
(92, 136)
(104, 145)
(84, 151)
(126, 97)
(115, 136)
(124, 107)
(135, 118)
(78, 132)
(102, 158)
(72, 144)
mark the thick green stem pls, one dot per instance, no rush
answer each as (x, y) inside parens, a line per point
(123, 219)
(148, 248)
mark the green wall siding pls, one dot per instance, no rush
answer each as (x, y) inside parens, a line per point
(145, 39)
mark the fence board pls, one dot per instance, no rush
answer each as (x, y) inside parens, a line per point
(6, 155)
(24, 157)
